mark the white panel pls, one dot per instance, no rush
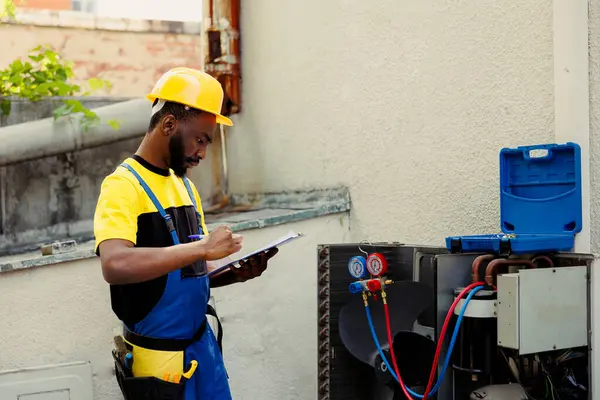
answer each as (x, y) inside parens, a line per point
(553, 309)
(508, 311)
(54, 382)
(572, 95)
(64, 394)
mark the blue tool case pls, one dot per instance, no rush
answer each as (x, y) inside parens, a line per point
(540, 202)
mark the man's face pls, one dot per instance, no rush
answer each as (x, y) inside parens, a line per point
(187, 146)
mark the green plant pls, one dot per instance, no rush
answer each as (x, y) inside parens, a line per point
(8, 9)
(46, 74)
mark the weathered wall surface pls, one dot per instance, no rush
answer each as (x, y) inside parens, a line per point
(68, 318)
(131, 54)
(407, 103)
(54, 197)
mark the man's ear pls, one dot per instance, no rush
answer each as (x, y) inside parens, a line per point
(168, 125)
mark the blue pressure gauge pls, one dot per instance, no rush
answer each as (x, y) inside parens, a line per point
(357, 266)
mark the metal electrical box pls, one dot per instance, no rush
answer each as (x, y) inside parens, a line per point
(71, 381)
(543, 309)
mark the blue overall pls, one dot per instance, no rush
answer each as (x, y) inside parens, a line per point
(181, 312)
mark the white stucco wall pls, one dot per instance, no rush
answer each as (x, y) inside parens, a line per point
(57, 314)
(407, 103)
(62, 313)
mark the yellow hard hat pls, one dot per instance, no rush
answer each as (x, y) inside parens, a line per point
(193, 88)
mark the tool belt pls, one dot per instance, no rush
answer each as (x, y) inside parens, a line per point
(153, 387)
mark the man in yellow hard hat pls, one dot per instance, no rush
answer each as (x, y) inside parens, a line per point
(146, 214)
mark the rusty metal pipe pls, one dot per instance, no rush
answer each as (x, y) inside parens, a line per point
(222, 56)
(490, 271)
(477, 264)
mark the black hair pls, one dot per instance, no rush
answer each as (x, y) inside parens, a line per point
(175, 109)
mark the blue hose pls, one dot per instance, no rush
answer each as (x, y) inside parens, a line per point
(448, 354)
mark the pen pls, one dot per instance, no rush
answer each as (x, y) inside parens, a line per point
(128, 360)
(195, 236)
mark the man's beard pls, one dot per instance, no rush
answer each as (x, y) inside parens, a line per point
(178, 158)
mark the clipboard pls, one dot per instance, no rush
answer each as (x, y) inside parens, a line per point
(287, 238)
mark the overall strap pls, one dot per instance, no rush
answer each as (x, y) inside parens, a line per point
(211, 311)
(188, 187)
(161, 210)
(170, 344)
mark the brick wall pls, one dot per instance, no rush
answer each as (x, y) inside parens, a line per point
(131, 54)
(46, 4)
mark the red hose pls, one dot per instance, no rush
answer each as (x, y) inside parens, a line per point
(390, 341)
(441, 336)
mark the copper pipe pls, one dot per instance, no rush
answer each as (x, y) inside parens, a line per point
(477, 264)
(547, 259)
(490, 271)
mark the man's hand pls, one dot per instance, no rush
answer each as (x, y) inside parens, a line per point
(254, 266)
(221, 243)
(248, 269)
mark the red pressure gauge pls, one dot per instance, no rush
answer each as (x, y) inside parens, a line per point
(377, 264)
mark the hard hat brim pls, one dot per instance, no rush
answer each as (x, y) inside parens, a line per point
(223, 120)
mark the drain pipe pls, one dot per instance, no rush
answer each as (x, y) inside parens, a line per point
(46, 137)
(225, 181)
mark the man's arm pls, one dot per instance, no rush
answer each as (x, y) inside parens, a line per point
(122, 263)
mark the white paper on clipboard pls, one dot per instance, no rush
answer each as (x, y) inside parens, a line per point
(231, 263)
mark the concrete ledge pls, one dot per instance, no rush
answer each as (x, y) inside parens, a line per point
(247, 212)
(80, 20)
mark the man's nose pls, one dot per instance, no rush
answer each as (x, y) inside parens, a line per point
(201, 153)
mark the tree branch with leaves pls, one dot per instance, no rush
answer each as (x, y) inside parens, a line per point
(43, 75)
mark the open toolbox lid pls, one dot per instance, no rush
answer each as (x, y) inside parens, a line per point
(540, 189)
(540, 202)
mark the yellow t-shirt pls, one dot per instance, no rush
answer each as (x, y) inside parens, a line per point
(125, 211)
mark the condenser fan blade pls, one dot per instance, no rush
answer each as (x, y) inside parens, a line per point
(406, 300)
(414, 354)
(383, 392)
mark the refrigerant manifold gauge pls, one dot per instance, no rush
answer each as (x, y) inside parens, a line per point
(357, 267)
(376, 264)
